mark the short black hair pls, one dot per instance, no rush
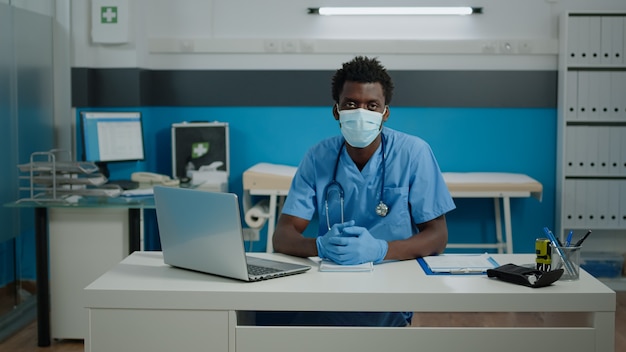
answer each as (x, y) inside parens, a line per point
(364, 70)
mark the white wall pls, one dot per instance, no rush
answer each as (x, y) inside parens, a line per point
(279, 34)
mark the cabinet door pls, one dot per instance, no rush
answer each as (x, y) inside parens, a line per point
(157, 330)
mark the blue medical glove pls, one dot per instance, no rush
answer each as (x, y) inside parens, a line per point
(322, 241)
(355, 246)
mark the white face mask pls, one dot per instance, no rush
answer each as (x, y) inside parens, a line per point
(359, 126)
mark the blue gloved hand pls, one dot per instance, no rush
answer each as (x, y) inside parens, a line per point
(322, 241)
(356, 245)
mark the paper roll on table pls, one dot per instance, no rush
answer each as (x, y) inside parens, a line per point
(256, 216)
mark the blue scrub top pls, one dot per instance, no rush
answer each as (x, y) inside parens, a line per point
(414, 189)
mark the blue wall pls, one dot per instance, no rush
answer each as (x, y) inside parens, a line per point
(518, 140)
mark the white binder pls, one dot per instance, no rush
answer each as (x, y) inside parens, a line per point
(571, 96)
(604, 96)
(573, 41)
(583, 45)
(606, 42)
(590, 140)
(622, 204)
(615, 151)
(583, 95)
(595, 86)
(580, 150)
(595, 40)
(622, 157)
(591, 203)
(603, 150)
(612, 193)
(617, 95)
(570, 152)
(617, 40)
(580, 207)
(569, 203)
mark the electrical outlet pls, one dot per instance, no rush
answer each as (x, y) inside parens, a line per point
(271, 46)
(524, 47)
(250, 234)
(506, 48)
(290, 46)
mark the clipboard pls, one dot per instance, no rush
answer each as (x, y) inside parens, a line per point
(457, 264)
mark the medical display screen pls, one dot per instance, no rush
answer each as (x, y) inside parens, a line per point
(112, 136)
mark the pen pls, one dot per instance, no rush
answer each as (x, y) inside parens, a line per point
(568, 241)
(559, 251)
(580, 241)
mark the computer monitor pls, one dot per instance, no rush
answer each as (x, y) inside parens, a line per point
(111, 137)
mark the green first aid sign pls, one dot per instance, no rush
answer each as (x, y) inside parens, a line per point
(108, 14)
(199, 150)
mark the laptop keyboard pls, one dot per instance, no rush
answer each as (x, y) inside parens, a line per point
(260, 270)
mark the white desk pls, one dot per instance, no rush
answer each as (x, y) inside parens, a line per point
(274, 181)
(144, 305)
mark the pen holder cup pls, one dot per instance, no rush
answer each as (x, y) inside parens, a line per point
(570, 264)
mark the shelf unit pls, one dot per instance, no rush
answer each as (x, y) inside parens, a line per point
(50, 179)
(591, 140)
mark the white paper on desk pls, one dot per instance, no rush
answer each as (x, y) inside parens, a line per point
(452, 262)
(138, 192)
(328, 265)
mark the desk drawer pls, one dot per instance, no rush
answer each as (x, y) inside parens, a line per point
(157, 330)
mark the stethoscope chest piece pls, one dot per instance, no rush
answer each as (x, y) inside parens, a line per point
(382, 209)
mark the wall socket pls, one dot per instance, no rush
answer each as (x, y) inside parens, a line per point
(250, 234)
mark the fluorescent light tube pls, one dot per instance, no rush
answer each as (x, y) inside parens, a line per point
(365, 11)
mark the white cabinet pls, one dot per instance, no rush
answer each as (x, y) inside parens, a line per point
(84, 244)
(591, 143)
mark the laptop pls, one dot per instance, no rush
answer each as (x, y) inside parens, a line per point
(201, 231)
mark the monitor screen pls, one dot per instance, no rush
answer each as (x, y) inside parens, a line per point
(112, 136)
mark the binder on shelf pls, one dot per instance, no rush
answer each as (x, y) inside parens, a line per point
(590, 142)
(569, 203)
(604, 96)
(595, 85)
(579, 141)
(617, 39)
(621, 101)
(608, 203)
(580, 206)
(595, 39)
(583, 95)
(571, 96)
(573, 41)
(622, 205)
(603, 151)
(606, 42)
(591, 203)
(622, 153)
(617, 86)
(583, 44)
(615, 141)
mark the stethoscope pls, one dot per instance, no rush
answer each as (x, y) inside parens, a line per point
(381, 209)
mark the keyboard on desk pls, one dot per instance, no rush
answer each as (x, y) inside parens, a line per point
(260, 270)
(124, 184)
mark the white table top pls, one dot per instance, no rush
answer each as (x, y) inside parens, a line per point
(142, 280)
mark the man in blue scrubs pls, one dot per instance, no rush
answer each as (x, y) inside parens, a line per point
(378, 193)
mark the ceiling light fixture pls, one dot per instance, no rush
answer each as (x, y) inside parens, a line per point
(368, 11)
